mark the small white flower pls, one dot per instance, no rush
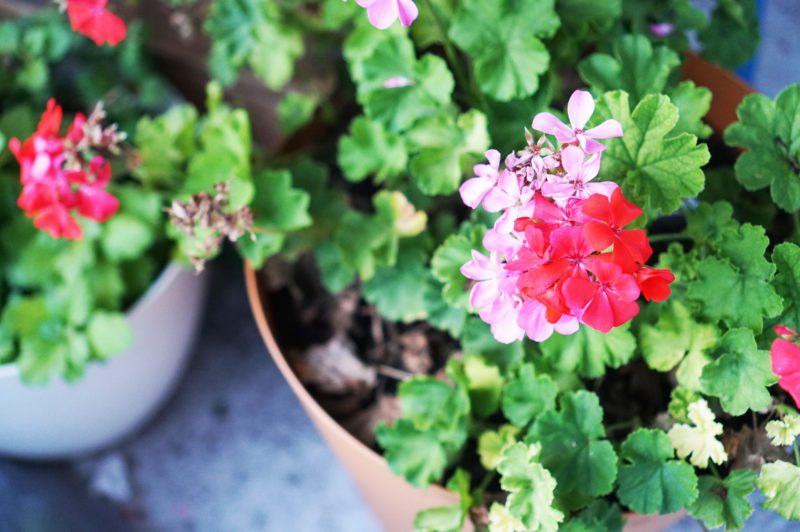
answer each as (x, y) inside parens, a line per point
(699, 440)
(785, 431)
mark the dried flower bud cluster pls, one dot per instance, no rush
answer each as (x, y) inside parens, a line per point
(207, 220)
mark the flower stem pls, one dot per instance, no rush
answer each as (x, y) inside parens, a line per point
(714, 470)
(449, 49)
(665, 237)
(796, 453)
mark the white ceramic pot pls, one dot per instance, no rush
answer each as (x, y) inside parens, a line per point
(113, 398)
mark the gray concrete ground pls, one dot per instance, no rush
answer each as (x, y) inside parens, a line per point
(233, 451)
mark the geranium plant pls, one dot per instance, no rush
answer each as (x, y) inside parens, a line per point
(610, 293)
(527, 180)
(86, 224)
(580, 294)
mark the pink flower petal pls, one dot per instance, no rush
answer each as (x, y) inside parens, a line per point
(532, 318)
(548, 123)
(473, 190)
(580, 108)
(592, 146)
(573, 159)
(382, 13)
(408, 11)
(608, 129)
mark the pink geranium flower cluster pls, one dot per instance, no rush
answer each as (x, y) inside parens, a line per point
(559, 254)
(383, 13)
(61, 175)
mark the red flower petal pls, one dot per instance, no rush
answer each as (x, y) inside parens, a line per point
(599, 235)
(96, 203)
(90, 18)
(599, 313)
(623, 211)
(56, 220)
(654, 283)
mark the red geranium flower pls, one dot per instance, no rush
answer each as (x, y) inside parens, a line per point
(630, 246)
(607, 302)
(56, 179)
(90, 18)
(786, 364)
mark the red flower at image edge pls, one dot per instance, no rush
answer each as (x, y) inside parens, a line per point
(91, 18)
(786, 364)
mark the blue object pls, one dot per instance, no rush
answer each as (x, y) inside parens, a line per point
(747, 71)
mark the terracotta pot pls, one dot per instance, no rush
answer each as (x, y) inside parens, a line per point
(115, 397)
(727, 89)
(393, 500)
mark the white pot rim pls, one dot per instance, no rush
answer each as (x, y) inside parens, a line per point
(161, 283)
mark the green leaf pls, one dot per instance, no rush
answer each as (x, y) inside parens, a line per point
(768, 130)
(335, 275)
(780, 482)
(440, 314)
(430, 403)
(125, 237)
(680, 399)
(634, 66)
(528, 395)
(22, 316)
(491, 445)
(655, 169)
(650, 479)
(108, 333)
(295, 110)
(477, 339)
(707, 224)
(741, 375)
(599, 516)
(398, 291)
(369, 149)
(722, 501)
(675, 337)
(485, 386)
(589, 351)
(448, 259)
(367, 241)
(507, 63)
(417, 455)
(737, 289)
(165, 143)
(428, 88)
(253, 33)
(40, 358)
(731, 21)
(786, 257)
(276, 204)
(585, 466)
(530, 487)
(443, 145)
(693, 103)
(447, 518)
(440, 519)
